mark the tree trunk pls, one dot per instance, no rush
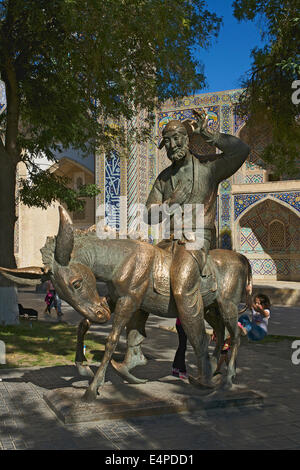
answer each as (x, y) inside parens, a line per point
(9, 157)
(9, 314)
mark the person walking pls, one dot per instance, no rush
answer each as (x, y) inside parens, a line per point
(52, 299)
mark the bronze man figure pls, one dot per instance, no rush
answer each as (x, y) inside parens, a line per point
(188, 181)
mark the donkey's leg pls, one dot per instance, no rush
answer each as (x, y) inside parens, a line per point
(229, 312)
(185, 283)
(125, 308)
(134, 355)
(135, 336)
(131, 282)
(84, 370)
(213, 317)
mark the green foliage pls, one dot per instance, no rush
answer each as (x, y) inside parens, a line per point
(44, 188)
(81, 62)
(76, 71)
(268, 87)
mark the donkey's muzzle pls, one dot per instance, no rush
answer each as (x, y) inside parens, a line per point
(103, 313)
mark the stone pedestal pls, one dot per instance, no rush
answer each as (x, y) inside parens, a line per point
(160, 397)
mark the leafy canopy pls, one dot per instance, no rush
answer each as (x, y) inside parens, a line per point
(268, 87)
(75, 68)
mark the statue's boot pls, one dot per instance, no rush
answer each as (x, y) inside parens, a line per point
(199, 382)
(134, 357)
(204, 379)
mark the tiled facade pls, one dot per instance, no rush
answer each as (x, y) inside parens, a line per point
(246, 190)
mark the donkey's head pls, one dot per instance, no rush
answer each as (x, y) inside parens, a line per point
(74, 282)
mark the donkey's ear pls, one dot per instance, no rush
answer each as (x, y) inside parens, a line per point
(30, 276)
(65, 238)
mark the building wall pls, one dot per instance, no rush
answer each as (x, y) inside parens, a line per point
(35, 224)
(266, 228)
(78, 176)
(237, 195)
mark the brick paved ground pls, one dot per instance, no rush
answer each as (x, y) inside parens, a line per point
(26, 422)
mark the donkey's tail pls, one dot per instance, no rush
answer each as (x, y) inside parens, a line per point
(248, 288)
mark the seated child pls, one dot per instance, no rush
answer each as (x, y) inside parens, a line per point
(257, 327)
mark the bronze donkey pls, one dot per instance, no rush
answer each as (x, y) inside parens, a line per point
(137, 276)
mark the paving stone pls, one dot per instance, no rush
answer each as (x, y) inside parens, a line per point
(27, 422)
(266, 431)
(276, 443)
(9, 447)
(295, 438)
(20, 445)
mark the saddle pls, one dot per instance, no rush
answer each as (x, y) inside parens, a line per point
(161, 273)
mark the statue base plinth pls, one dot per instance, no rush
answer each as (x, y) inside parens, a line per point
(153, 398)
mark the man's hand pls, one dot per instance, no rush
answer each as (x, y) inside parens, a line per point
(179, 194)
(201, 118)
(260, 309)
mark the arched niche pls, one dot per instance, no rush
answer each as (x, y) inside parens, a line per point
(268, 233)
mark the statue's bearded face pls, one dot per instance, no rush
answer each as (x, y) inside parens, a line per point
(176, 144)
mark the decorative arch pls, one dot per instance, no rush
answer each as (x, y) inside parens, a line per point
(262, 199)
(268, 233)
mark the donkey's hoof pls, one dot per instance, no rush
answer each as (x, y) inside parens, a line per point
(227, 385)
(84, 371)
(123, 371)
(200, 382)
(89, 396)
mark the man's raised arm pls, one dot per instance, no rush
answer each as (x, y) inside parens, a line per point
(234, 154)
(234, 151)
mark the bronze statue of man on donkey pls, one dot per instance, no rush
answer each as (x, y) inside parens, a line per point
(188, 180)
(169, 279)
